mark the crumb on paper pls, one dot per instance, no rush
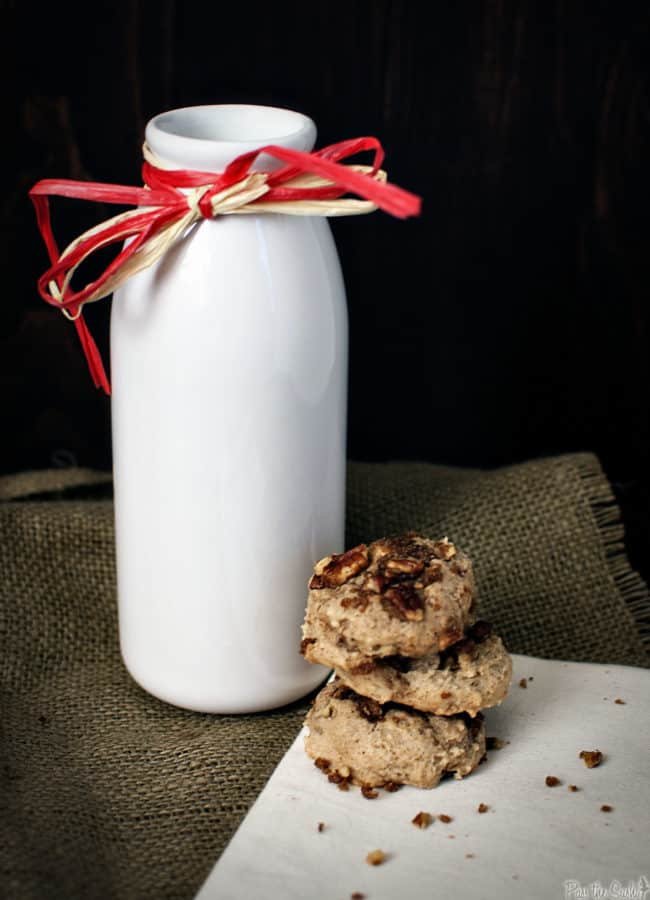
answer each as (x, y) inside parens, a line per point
(523, 683)
(573, 788)
(482, 808)
(469, 856)
(375, 857)
(592, 758)
(445, 818)
(606, 807)
(451, 836)
(422, 820)
(357, 895)
(552, 781)
(619, 701)
(320, 827)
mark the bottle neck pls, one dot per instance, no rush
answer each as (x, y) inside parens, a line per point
(208, 138)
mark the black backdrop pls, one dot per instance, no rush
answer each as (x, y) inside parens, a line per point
(511, 320)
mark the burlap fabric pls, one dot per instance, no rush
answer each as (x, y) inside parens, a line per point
(108, 793)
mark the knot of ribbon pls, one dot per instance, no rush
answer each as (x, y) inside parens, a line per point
(172, 200)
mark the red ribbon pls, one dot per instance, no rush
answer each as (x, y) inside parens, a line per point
(166, 203)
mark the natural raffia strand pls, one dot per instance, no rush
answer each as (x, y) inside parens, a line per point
(173, 200)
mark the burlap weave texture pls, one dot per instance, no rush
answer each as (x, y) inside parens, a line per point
(106, 792)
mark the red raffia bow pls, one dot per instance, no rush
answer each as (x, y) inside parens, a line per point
(308, 184)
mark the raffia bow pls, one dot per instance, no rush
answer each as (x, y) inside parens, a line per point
(173, 200)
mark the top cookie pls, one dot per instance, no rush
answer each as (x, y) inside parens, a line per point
(405, 596)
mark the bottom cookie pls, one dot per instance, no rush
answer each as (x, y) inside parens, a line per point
(357, 740)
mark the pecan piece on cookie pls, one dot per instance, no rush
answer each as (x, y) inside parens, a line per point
(444, 549)
(335, 570)
(402, 567)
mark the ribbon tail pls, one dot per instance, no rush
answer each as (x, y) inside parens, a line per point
(93, 357)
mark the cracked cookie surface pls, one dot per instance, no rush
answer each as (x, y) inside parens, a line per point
(471, 675)
(407, 596)
(355, 739)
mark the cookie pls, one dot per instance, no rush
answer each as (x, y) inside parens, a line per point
(355, 739)
(404, 596)
(471, 675)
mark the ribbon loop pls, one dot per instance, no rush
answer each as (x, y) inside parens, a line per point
(173, 199)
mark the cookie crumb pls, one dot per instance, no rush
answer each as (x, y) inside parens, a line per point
(573, 788)
(369, 792)
(321, 826)
(523, 683)
(494, 743)
(592, 758)
(619, 701)
(469, 856)
(451, 836)
(422, 820)
(552, 781)
(357, 895)
(375, 857)
(482, 808)
(392, 786)
(606, 807)
(445, 818)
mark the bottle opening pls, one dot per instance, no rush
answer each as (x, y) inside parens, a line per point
(205, 137)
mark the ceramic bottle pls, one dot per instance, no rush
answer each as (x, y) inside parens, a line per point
(229, 372)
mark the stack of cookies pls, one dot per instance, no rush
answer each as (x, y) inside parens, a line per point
(414, 667)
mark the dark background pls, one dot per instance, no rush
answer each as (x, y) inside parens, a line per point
(510, 321)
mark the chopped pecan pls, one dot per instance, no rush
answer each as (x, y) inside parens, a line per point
(400, 568)
(592, 758)
(552, 781)
(445, 818)
(392, 786)
(374, 583)
(333, 571)
(422, 820)
(406, 601)
(369, 709)
(444, 549)
(606, 807)
(482, 808)
(306, 642)
(322, 764)
(336, 777)
(369, 792)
